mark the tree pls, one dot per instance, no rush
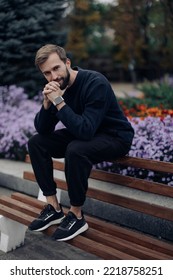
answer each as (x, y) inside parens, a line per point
(24, 27)
(143, 35)
(82, 21)
(127, 21)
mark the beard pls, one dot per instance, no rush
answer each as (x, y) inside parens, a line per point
(65, 80)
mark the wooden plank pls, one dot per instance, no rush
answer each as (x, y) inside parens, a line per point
(125, 246)
(26, 199)
(98, 249)
(127, 181)
(126, 202)
(109, 228)
(136, 183)
(15, 215)
(20, 206)
(131, 235)
(149, 164)
(131, 182)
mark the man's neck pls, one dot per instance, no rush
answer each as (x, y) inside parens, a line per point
(73, 74)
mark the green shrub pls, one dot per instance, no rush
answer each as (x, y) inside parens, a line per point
(155, 95)
(158, 94)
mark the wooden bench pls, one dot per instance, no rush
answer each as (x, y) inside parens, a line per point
(105, 239)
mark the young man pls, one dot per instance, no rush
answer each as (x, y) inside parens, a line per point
(95, 130)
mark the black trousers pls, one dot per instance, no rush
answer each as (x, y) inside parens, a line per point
(79, 158)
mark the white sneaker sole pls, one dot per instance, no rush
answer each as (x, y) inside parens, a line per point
(55, 222)
(82, 229)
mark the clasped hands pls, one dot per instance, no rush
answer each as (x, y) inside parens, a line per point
(50, 92)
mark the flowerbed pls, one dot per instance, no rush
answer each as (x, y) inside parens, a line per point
(16, 126)
(153, 139)
(143, 111)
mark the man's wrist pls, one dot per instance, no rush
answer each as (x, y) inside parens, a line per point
(58, 100)
(46, 104)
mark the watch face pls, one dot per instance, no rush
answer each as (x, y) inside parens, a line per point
(58, 100)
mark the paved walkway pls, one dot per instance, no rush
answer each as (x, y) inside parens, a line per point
(123, 90)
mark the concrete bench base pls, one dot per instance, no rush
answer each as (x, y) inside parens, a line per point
(12, 234)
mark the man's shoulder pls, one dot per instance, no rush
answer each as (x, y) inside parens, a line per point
(91, 74)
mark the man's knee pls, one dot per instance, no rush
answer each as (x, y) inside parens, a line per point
(33, 139)
(77, 149)
(72, 150)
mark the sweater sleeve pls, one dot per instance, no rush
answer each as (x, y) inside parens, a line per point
(45, 120)
(83, 126)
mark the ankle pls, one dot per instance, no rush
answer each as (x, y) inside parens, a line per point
(77, 211)
(54, 202)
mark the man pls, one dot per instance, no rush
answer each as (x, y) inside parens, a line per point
(95, 130)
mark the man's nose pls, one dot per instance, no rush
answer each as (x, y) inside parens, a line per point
(54, 76)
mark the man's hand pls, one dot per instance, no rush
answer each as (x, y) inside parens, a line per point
(50, 92)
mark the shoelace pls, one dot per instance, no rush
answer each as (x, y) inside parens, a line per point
(68, 220)
(43, 212)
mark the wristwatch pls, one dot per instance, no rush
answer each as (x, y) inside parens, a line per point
(58, 100)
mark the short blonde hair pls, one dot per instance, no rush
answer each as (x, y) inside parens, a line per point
(44, 52)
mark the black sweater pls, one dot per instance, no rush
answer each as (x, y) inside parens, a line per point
(91, 107)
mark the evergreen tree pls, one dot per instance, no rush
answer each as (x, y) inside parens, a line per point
(24, 27)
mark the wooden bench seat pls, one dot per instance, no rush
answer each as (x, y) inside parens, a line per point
(106, 239)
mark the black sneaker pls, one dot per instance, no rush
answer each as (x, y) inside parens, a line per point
(48, 216)
(70, 227)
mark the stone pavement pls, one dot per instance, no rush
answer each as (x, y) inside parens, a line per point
(123, 90)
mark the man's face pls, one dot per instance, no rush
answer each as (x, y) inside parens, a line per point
(54, 69)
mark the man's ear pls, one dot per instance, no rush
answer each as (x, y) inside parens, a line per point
(68, 63)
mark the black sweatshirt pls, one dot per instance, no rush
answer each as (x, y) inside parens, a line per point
(91, 107)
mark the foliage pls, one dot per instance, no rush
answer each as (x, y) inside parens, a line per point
(143, 35)
(24, 27)
(87, 30)
(156, 94)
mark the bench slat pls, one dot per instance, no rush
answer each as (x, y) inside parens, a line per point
(126, 202)
(131, 236)
(130, 248)
(96, 248)
(136, 183)
(149, 164)
(19, 206)
(132, 182)
(15, 215)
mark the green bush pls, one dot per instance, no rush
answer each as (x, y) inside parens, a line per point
(155, 95)
(158, 94)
